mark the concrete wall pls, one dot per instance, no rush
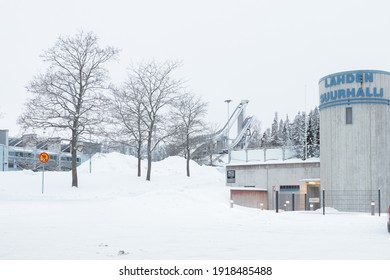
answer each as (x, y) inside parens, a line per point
(356, 156)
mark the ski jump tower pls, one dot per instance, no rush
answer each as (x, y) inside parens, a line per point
(222, 138)
(227, 139)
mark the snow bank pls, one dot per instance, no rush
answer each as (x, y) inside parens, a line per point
(110, 163)
(112, 175)
(171, 217)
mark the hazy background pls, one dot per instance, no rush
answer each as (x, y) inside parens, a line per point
(270, 52)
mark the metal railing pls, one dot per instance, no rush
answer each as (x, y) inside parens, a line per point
(276, 153)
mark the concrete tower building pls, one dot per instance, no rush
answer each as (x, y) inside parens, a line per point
(355, 139)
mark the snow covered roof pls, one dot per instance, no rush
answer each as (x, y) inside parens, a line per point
(248, 189)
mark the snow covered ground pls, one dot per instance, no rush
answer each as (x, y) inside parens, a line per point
(116, 215)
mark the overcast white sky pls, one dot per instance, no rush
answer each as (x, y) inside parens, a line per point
(270, 52)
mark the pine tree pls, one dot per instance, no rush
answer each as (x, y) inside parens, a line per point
(301, 134)
(310, 136)
(316, 132)
(281, 133)
(287, 133)
(298, 135)
(274, 141)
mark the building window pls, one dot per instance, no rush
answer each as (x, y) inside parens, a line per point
(348, 115)
(289, 188)
(231, 176)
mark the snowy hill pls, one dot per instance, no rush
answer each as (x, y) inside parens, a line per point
(116, 215)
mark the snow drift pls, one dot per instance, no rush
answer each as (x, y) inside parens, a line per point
(116, 215)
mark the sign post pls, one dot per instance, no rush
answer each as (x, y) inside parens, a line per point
(43, 157)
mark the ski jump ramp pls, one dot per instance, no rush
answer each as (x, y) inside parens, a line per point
(221, 138)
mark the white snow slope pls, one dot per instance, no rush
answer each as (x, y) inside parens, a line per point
(116, 215)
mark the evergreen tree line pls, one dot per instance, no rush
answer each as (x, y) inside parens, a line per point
(302, 135)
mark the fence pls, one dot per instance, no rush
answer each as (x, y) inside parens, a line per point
(355, 200)
(291, 201)
(369, 201)
(276, 153)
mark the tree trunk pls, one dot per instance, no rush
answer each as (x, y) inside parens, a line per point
(73, 148)
(139, 160)
(148, 172)
(188, 155)
(188, 163)
(149, 152)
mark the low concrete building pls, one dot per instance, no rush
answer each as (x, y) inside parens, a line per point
(254, 184)
(355, 162)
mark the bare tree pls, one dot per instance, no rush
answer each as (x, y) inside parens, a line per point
(157, 90)
(189, 113)
(127, 114)
(211, 145)
(206, 144)
(69, 95)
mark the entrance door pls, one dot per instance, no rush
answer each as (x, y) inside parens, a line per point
(314, 196)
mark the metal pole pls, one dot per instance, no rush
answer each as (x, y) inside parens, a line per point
(227, 132)
(305, 201)
(277, 201)
(43, 177)
(293, 202)
(379, 201)
(323, 202)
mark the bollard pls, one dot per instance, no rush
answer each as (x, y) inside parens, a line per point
(372, 208)
(231, 203)
(293, 201)
(311, 207)
(306, 202)
(261, 206)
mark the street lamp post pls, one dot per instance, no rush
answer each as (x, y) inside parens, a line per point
(227, 131)
(228, 118)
